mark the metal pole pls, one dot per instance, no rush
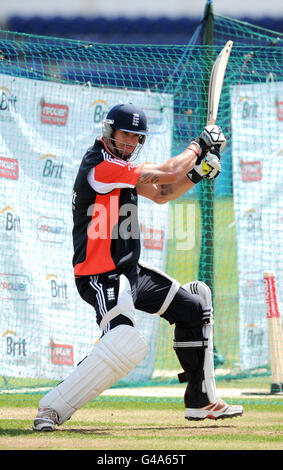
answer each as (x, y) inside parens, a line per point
(206, 262)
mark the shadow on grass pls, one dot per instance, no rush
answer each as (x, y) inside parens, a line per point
(13, 432)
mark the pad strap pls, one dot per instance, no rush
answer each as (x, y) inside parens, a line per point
(113, 313)
(191, 377)
(172, 291)
(200, 344)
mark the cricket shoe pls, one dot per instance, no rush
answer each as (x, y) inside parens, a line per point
(217, 410)
(45, 420)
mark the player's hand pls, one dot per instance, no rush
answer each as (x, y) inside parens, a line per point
(211, 136)
(212, 160)
(209, 167)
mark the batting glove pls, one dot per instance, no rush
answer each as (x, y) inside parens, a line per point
(211, 136)
(209, 167)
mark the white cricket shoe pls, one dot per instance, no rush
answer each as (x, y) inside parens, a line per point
(45, 420)
(217, 410)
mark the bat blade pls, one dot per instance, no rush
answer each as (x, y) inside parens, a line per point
(216, 82)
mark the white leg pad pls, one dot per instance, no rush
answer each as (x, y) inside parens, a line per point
(117, 353)
(201, 289)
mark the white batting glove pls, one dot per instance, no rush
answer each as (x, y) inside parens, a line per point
(209, 167)
(211, 136)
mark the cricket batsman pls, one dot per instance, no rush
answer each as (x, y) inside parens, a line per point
(111, 277)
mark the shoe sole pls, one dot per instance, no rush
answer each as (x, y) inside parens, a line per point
(44, 429)
(198, 418)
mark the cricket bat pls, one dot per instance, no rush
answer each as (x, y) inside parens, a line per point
(275, 332)
(216, 82)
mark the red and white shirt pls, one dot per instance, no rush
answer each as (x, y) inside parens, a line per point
(106, 229)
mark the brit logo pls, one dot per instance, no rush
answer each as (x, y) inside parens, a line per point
(57, 289)
(7, 104)
(249, 108)
(253, 220)
(10, 221)
(15, 346)
(136, 119)
(52, 167)
(100, 111)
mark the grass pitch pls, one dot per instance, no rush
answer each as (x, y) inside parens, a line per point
(138, 424)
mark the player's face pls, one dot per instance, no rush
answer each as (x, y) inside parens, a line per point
(125, 142)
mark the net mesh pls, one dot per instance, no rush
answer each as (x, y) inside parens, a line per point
(217, 241)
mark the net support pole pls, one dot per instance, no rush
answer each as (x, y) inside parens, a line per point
(206, 198)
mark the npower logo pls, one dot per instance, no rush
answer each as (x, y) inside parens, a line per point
(252, 285)
(52, 168)
(51, 229)
(9, 168)
(54, 114)
(279, 110)
(250, 170)
(14, 286)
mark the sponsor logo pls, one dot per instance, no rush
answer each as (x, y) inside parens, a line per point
(15, 346)
(14, 286)
(52, 168)
(252, 285)
(279, 109)
(7, 103)
(9, 168)
(100, 111)
(62, 354)
(251, 171)
(51, 229)
(110, 293)
(253, 219)
(55, 114)
(57, 289)
(136, 119)
(249, 108)
(11, 222)
(254, 335)
(153, 238)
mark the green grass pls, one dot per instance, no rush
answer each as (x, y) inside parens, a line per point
(138, 425)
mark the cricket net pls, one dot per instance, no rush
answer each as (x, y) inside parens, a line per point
(54, 94)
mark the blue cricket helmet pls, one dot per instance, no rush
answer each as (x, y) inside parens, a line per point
(128, 118)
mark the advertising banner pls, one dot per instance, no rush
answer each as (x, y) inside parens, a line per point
(46, 127)
(257, 130)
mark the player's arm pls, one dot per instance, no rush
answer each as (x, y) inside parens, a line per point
(172, 170)
(178, 175)
(162, 193)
